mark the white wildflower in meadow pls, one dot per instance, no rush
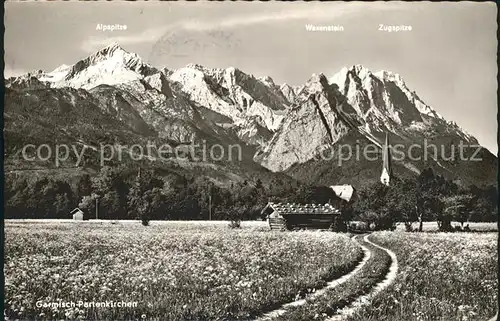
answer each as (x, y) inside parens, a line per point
(173, 271)
(445, 276)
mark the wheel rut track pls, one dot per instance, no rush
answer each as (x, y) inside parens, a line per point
(364, 300)
(360, 301)
(330, 285)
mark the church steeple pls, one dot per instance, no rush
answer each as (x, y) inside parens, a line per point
(385, 177)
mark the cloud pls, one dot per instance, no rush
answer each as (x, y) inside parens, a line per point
(296, 11)
(310, 12)
(126, 38)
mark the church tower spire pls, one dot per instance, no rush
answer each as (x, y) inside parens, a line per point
(385, 177)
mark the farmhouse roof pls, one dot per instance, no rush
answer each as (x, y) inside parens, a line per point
(294, 208)
(345, 191)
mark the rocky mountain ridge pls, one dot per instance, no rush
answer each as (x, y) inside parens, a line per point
(282, 127)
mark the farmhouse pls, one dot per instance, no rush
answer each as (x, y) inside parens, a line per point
(77, 214)
(345, 192)
(291, 216)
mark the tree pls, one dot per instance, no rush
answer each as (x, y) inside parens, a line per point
(236, 213)
(88, 203)
(51, 198)
(84, 186)
(111, 190)
(431, 191)
(380, 220)
(309, 193)
(482, 210)
(149, 206)
(145, 200)
(484, 204)
(61, 204)
(258, 184)
(16, 197)
(402, 202)
(347, 212)
(112, 205)
(458, 207)
(281, 189)
(109, 179)
(372, 207)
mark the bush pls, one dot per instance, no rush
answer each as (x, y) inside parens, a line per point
(409, 227)
(359, 227)
(377, 221)
(339, 226)
(235, 223)
(444, 225)
(236, 213)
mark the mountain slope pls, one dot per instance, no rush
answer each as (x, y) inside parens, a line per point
(351, 112)
(280, 128)
(112, 97)
(307, 129)
(234, 99)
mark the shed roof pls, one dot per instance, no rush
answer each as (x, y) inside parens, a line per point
(294, 208)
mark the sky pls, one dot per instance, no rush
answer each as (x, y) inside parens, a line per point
(448, 58)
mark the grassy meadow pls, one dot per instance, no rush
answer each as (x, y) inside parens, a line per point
(442, 276)
(204, 270)
(173, 270)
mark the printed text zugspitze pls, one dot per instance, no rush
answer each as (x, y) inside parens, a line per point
(389, 28)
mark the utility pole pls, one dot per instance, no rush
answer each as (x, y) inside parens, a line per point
(96, 208)
(210, 207)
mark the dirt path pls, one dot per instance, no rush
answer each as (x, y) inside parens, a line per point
(365, 299)
(330, 285)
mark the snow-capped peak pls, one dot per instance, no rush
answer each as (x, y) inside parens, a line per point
(268, 81)
(114, 46)
(390, 76)
(231, 70)
(422, 107)
(288, 92)
(339, 77)
(114, 56)
(62, 68)
(316, 83)
(195, 66)
(110, 65)
(359, 69)
(351, 80)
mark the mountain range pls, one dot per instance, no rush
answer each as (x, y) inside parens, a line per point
(113, 96)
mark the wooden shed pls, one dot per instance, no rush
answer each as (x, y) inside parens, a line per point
(77, 214)
(292, 216)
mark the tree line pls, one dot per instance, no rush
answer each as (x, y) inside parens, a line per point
(122, 193)
(428, 197)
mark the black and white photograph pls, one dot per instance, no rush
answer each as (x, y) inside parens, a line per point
(255, 161)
